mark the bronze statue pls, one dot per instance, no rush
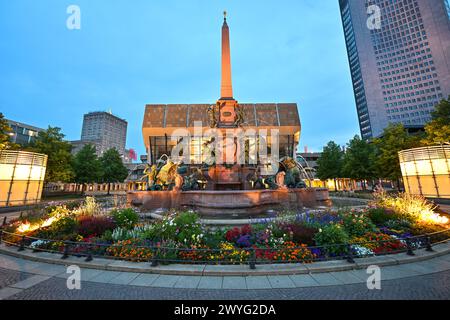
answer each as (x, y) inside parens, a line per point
(212, 116)
(239, 115)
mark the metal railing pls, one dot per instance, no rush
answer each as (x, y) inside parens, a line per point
(155, 254)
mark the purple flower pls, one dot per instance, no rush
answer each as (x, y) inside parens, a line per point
(244, 241)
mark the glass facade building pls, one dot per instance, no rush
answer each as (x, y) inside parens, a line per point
(400, 69)
(23, 134)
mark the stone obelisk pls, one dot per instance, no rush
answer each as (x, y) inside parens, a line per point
(226, 91)
(228, 116)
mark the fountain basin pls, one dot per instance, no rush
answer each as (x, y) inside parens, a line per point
(233, 203)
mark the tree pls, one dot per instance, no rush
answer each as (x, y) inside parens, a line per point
(113, 168)
(5, 130)
(395, 138)
(330, 163)
(87, 166)
(359, 160)
(438, 129)
(51, 143)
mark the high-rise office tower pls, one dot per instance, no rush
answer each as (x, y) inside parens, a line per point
(400, 67)
(104, 130)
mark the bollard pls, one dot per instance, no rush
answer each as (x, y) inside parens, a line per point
(350, 254)
(428, 244)
(22, 244)
(89, 258)
(1, 236)
(409, 248)
(154, 258)
(4, 222)
(66, 251)
(252, 261)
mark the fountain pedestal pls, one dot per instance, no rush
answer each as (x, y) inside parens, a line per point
(223, 178)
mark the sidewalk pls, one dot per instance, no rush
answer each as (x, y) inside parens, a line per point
(39, 272)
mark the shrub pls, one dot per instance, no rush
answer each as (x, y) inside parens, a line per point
(184, 228)
(330, 236)
(410, 207)
(188, 228)
(356, 223)
(125, 218)
(214, 238)
(300, 233)
(64, 226)
(94, 225)
(380, 216)
(89, 207)
(401, 224)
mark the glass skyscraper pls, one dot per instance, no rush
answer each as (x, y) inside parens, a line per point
(400, 68)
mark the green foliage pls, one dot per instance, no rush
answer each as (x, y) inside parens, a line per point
(86, 165)
(89, 207)
(64, 226)
(413, 208)
(113, 168)
(330, 162)
(331, 235)
(359, 159)
(214, 238)
(5, 129)
(125, 218)
(380, 216)
(438, 129)
(395, 138)
(400, 224)
(357, 224)
(51, 142)
(184, 228)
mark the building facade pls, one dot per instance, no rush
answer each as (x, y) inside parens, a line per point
(23, 134)
(105, 131)
(400, 67)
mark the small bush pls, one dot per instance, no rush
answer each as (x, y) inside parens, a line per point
(89, 207)
(300, 233)
(94, 225)
(380, 216)
(357, 224)
(125, 218)
(332, 235)
(64, 226)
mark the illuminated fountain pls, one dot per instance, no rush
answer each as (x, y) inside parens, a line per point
(226, 159)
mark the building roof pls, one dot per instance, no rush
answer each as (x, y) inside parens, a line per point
(24, 125)
(161, 119)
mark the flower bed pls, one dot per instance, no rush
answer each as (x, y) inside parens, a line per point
(385, 227)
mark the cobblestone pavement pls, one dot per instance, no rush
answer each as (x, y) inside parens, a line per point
(432, 286)
(9, 277)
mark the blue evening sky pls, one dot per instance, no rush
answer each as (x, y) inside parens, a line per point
(130, 53)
